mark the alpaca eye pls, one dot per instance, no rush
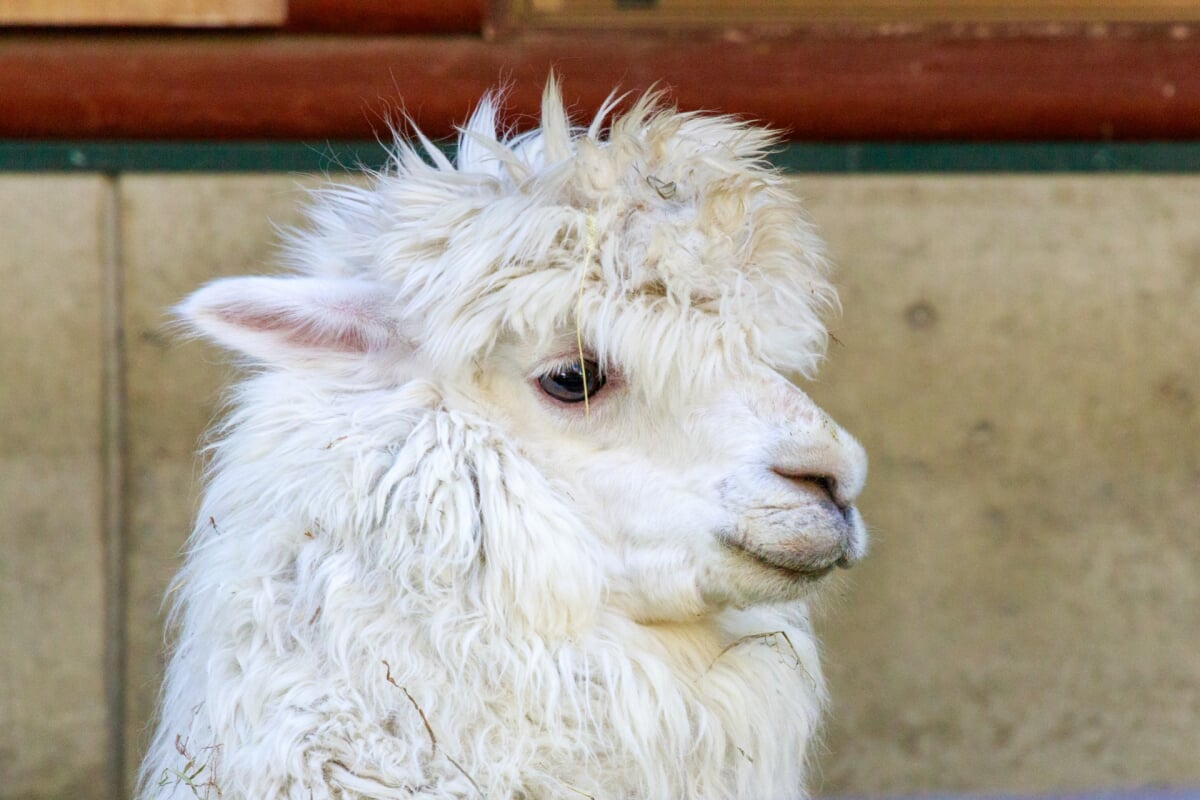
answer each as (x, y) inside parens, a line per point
(572, 382)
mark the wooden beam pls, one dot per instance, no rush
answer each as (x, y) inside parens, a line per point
(385, 16)
(1121, 83)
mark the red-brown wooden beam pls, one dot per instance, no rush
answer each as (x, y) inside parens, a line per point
(1127, 83)
(385, 16)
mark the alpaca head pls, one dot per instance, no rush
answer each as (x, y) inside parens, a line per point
(619, 313)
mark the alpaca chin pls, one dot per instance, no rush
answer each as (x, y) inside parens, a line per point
(660, 586)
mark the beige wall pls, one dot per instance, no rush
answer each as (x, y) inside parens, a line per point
(1020, 355)
(1022, 360)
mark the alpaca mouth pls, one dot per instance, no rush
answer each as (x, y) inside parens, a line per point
(792, 568)
(801, 544)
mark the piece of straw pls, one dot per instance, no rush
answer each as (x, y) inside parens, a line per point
(587, 260)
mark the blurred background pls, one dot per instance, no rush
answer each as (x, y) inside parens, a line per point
(1010, 189)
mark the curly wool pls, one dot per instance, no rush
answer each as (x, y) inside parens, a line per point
(384, 595)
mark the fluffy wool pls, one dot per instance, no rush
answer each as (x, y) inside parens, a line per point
(416, 574)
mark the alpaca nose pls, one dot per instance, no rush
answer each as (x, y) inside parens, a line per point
(830, 468)
(807, 447)
(823, 459)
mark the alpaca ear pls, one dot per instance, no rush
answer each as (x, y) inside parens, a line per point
(288, 318)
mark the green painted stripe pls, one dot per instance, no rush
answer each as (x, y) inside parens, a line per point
(992, 157)
(114, 157)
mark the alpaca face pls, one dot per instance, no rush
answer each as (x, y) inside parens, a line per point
(622, 309)
(738, 495)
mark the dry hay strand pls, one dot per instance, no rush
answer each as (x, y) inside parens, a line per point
(197, 764)
(429, 728)
(773, 637)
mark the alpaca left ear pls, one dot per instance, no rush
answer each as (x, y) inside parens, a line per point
(281, 319)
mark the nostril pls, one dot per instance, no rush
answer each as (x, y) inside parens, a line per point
(827, 484)
(830, 487)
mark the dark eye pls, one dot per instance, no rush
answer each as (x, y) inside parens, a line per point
(572, 382)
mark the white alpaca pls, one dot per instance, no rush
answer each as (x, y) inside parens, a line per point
(518, 501)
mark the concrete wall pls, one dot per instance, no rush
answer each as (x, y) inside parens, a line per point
(1020, 355)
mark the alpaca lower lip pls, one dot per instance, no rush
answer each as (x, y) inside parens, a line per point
(803, 571)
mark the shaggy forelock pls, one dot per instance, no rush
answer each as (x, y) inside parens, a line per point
(661, 222)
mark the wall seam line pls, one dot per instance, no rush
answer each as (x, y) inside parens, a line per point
(115, 473)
